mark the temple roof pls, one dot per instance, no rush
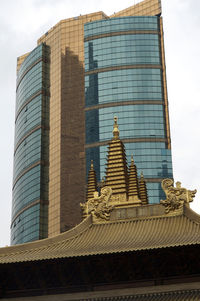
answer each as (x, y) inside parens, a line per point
(116, 223)
(129, 229)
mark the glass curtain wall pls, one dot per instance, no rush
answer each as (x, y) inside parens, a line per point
(123, 77)
(30, 177)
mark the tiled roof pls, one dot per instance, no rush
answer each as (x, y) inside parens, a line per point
(184, 295)
(119, 235)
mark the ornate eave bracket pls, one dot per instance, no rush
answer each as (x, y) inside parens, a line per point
(99, 206)
(175, 196)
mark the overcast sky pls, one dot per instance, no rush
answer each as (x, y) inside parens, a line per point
(22, 22)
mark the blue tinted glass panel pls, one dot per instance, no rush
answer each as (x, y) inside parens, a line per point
(27, 189)
(121, 24)
(31, 144)
(28, 153)
(123, 85)
(30, 85)
(122, 50)
(33, 57)
(26, 226)
(135, 121)
(29, 118)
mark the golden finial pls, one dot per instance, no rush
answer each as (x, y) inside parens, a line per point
(92, 164)
(92, 182)
(115, 129)
(133, 189)
(143, 190)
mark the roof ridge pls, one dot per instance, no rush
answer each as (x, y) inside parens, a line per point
(191, 214)
(141, 233)
(138, 218)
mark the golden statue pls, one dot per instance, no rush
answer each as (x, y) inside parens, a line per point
(99, 206)
(175, 196)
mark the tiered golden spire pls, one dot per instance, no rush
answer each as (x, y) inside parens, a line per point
(92, 182)
(120, 188)
(133, 189)
(116, 171)
(143, 190)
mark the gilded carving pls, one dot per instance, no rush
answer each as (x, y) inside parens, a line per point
(99, 206)
(175, 196)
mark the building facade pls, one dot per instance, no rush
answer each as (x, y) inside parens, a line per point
(30, 179)
(124, 77)
(73, 70)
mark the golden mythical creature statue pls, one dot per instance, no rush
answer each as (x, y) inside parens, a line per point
(175, 196)
(99, 205)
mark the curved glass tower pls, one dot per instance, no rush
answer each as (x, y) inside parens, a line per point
(30, 179)
(124, 76)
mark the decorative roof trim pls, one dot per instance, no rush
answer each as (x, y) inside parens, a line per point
(114, 236)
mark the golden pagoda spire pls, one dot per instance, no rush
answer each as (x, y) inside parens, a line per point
(115, 129)
(120, 188)
(143, 190)
(92, 182)
(116, 171)
(133, 189)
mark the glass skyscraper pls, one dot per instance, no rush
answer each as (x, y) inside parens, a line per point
(84, 71)
(30, 179)
(124, 77)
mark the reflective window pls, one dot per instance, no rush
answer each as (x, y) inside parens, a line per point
(28, 153)
(27, 189)
(123, 85)
(26, 227)
(29, 118)
(121, 24)
(134, 49)
(135, 121)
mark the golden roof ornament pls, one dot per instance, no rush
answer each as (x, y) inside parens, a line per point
(133, 188)
(92, 182)
(99, 206)
(176, 196)
(92, 165)
(116, 170)
(115, 129)
(143, 190)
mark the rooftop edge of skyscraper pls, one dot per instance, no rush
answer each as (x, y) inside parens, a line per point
(146, 7)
